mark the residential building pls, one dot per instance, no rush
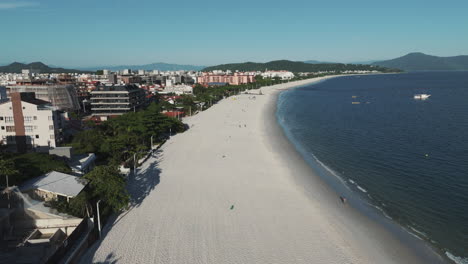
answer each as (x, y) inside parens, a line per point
(116, 100)
(283, 75)
(79, 163)
(53, 186)
(128, 79)
(178, 89)
(3, 94)
(233, 79)
(29, 123)
(112, 78)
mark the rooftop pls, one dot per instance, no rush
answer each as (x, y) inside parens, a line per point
(56, 182)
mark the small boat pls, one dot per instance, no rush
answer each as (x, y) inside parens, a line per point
(421, 96)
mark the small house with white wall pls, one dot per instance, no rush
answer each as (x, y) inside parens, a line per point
(54, 186)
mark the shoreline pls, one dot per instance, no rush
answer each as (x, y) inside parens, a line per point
(233, 189)
(362, 212)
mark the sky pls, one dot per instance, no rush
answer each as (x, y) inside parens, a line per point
(206, 32)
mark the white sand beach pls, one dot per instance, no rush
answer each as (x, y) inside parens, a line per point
(232, 189)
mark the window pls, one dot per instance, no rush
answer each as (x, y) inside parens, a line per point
(1, 118)
(9, 119)
(35, 117)
(28, 119)
(50, 118)
(11, 139)
(37, 136)
(52, 136)
(51, 127)
(28, 128)
(10, 129)
(3, 128)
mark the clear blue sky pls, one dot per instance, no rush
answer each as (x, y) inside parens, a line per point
(103, 32)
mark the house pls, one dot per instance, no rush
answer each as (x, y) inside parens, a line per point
(54, 186)
(79, 163)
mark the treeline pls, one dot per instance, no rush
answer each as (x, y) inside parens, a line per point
(22, 167)
(296, 66)
(116, 140)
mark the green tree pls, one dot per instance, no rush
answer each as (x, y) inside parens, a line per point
(108, 185)
(7, 170)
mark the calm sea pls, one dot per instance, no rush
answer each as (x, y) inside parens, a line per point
(407, 157)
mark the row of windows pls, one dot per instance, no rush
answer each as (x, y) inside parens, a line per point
(8, 119)
(29, 139)
(27, 119)
(26, 128)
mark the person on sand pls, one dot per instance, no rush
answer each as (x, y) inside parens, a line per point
(343, 199)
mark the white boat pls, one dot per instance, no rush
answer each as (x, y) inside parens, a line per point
(421, 96)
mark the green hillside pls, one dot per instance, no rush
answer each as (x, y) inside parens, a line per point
(295, 66)
(16, 67)
(422, 62)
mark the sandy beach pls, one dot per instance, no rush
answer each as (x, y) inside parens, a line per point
(232, 189)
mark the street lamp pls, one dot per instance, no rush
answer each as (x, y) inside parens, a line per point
(8, 192)
(151, 142)
(98, 218)
(134, 164)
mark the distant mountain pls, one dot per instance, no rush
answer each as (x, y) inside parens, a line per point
(16, 67)
(293, 66)
(422, 62)
(317, 62)
(363, 62)
(153, 66)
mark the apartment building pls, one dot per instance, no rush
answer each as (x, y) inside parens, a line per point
(28, 123)
(237, 78)
(116, 99)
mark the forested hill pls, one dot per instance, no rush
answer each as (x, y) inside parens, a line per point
(16, 67)
(422, 62)
(295, 66)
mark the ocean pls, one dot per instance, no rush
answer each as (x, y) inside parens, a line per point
(407, 158)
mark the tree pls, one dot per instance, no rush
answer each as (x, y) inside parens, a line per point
(108, 185)
(7, 169)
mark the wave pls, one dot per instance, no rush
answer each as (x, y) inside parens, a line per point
(419, 233)
(361, 189)
(458, 260)
(332, 172)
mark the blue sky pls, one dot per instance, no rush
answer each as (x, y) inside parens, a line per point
(101, 32)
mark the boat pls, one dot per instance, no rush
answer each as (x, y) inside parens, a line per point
(421, 96)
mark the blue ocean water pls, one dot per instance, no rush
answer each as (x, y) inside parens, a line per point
(407, 157)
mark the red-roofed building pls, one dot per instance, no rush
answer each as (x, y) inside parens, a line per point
(175, 114)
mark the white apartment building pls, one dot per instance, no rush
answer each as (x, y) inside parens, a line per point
(28, 123)
(178, 89)
(284, 75)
